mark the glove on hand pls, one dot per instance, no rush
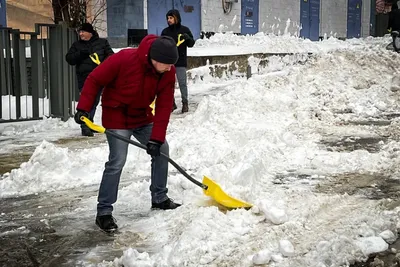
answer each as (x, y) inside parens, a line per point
(186, 36)
(79, 114)
(84, 53)
(153, 148)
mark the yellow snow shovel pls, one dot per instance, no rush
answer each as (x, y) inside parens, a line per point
(210, 188)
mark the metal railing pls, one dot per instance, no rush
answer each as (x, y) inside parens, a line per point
(35, 79)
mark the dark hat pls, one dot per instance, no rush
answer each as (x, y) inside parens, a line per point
(87, 27)
(164, 50)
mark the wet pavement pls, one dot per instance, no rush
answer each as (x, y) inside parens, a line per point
(50, 230)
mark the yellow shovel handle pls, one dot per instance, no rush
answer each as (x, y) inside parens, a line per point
(101, 129)
(95, 58)
(179, 40)
(92, 126)
(209, 187)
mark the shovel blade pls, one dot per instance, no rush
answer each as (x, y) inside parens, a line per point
(214, 191)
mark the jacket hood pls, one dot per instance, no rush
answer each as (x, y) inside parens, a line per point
(95, 36)
(144, 48)
(175, 13)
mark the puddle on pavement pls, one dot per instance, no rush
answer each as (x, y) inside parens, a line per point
(47, 230)
(352, 143)
(81, 141)
(13, 160)
(372, 186)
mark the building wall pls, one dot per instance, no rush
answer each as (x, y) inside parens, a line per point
(121, 16)
(213, 18)
(274, 16)
(145, 13)
(23, 14)
(3, 17)
(333, 20)
(278, 17)
(97, 15)
(366, 18)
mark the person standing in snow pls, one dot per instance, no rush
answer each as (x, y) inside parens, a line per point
(394, 26)
(184, 39)
(86, 54)
(132, 79)
(394, 18)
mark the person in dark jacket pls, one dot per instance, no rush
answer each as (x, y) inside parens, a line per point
(184, 39)
(394, 26)
(394, 18)
(132, 79)
(86, 54)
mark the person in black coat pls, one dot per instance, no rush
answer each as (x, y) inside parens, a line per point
(394, 26)
(394, 18)
(184, 39)
(86, 54)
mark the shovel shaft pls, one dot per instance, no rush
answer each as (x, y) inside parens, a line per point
(179, 168)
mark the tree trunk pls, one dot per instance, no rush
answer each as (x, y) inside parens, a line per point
(57, 11)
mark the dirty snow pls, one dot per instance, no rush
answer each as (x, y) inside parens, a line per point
(243, 136)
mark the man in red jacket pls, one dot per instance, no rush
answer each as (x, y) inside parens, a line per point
(132, 79)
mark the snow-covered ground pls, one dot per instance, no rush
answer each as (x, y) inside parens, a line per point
(243, 134)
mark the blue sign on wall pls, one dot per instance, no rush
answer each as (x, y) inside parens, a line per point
(250, 16)
(3, 16)
(354, 19)
(309, 19)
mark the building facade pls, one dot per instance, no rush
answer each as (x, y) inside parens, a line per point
(125, 22)
(3, 16)
(23, 14)
(313, 19)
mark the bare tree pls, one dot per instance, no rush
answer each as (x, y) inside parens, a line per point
(95, 13)
(76, 12)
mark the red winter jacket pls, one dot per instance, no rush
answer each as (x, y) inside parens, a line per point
(130, 85)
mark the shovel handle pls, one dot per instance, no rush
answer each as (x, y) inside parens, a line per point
(101, 129)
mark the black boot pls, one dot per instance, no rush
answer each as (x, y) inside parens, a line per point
(185, 107)
(87, 132)
(106, 223)
(166, 205)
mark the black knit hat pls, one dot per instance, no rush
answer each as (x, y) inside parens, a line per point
(164, 50)
(87, 27)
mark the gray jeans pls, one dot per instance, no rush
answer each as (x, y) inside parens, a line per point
(116, 160)
(182, 80)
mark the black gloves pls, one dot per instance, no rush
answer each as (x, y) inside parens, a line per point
(84, 53)
(186, 36)
(153, 148)
(79, 114)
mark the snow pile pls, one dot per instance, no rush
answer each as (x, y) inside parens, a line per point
(270, 125)
(52, 168)
(232, 44)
